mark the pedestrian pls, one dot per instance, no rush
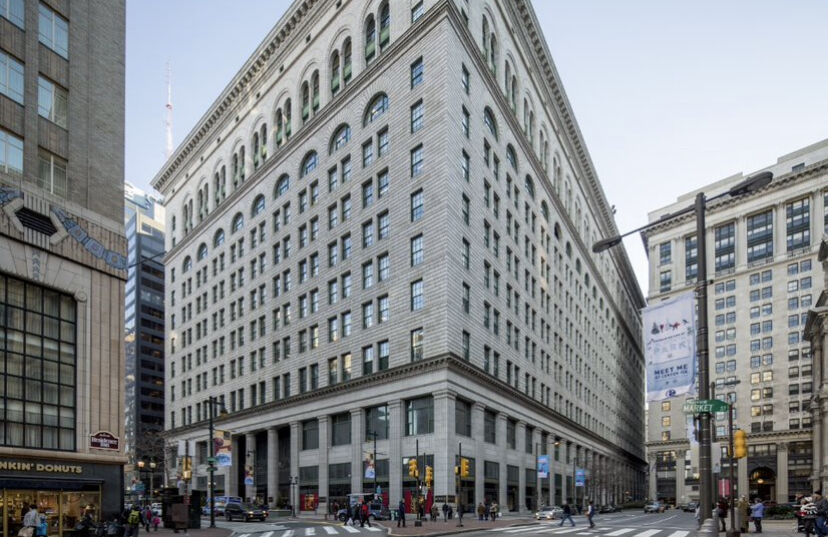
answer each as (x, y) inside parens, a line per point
(445, 512)
(590, 514)
(133, 521)
(156, 521)
(401, 514)
(146, 519)
(486, 512)
(743, 510)
(821, 513)
(567, 515)
(757, 511)
(435, 512)
(31, 520)
(481, 509)
(493, 511)
(807, 515)
(721, 512)
(366, 515)
(697, 514)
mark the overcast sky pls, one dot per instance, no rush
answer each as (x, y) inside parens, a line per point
(669, 95)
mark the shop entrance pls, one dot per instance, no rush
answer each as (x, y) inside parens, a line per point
(60, 510)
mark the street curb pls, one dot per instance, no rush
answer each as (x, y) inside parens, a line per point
(453, 532)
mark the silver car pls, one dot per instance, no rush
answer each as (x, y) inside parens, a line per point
(549, 512)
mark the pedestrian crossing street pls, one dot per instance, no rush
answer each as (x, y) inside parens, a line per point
(317, 531)
(585, 530)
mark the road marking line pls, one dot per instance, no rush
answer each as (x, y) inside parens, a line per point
(309, 531)
(558, 531)
(647, 533)
(265, 534)
(516, 530)
(288, 533)
(622, 531)
(330, 529)
(372, 528)
(679, 534)
(350, 529)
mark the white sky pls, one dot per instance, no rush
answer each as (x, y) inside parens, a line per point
(669, 96)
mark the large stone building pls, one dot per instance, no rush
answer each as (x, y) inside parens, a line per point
(144, 342)
(62, 260)
(381, 230)
(816, 333)
(762, 263)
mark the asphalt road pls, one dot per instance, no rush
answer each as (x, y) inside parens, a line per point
(625, 524)
(299, 528)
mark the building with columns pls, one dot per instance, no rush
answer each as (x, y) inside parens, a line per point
(381, 230)
(816, 332)
(762, 262)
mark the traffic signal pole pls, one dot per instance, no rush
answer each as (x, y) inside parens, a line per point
(457, 489)
(733, 531)
(418, 521)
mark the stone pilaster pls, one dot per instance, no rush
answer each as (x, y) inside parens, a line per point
(782, 473)
(478, 430)
(520, 431)
(652, 490)
(357, 448)
(324, 443)
(681, 495)
(445, 444)
(232, 478)
(501, 458)
(272, 464)
(295, 432)
(395, 428)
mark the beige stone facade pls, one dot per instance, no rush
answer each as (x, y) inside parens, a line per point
(407, 255)
(762, 262)
(816, 333)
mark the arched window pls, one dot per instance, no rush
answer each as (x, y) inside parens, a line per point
(511, 157)
(485, 37)
(218, 238)
(545, 211)
(340, 137)
(282, 186)
(315, 91)
(385, 25)
(377, 107)
(493, 54)
(288, 114)
(263, 141)
(258, 205)
(335, 79)
(557, 231)
(578, 266)
(308, 163)
(255, 150)
(238, 222)
(489, 120)
(305, 92)
(507, 81)
(370, 39)
(513, 97)
(280, 125)
(188, 264)
(202, 251)
(529, 184)
(568, 249)
(346, 61)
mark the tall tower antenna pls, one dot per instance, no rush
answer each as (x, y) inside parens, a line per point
(168, 123)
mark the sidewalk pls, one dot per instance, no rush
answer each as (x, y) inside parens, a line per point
(432, 529)
(775, 528)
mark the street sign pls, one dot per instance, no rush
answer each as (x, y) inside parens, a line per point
(705, 406)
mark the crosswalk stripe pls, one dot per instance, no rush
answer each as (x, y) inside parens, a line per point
(265, 534)
(517, 530)
(350, 529)
(647, 533)
(331, 530)
(679, 534)
(372, 528)
(558, 531)
(308, 531)
(622, 531)
(244, 535)
(288, 533)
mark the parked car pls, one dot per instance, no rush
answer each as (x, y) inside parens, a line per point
(654, 507)
(376, 510)
(608, 509)
(549, 512)
(245, 511)
(690, 507)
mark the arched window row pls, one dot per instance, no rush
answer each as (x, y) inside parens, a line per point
(377, 40)
(340, 138)
(377, 107)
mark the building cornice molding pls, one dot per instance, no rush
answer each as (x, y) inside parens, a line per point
(449, 363)
(276, 42)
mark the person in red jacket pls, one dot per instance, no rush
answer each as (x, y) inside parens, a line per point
(365, 515)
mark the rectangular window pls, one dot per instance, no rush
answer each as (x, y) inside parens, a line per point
(798, 224)
(417, 161)
(384, 355)
(310, 434)
(417, 298)
(52, 173)
(464, 79)
(664, 254)
(376, 422)
(38, 407)
(367, 154)
(465, 122)
(341, 429)
(417, 72)
(416, 250)
(665, 280)
(462, 417)
(725, 247)
(760, 236)
(417, 116)
(417, 12)
(489, 427)
(11, 74)
(13, 11)
(11, 153)
(419, 416)
(53, 31)
(417, 344)
(691, 259)
(416, 205)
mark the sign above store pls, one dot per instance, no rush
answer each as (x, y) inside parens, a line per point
(104, 440)
(21, 466)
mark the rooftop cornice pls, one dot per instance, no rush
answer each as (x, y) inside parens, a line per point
(447, 361)
(727, 203)
(284, 31)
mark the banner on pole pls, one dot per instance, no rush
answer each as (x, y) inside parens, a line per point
(223, 448)
(670, 347)
(580, 477)
(543, 466)
(370, 468)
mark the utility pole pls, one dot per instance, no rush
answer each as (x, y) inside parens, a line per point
(458, 485)
(418, 521)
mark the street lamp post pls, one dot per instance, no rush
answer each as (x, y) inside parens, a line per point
(152, 466)
(140, 469)
(751, 184)
(211, 463)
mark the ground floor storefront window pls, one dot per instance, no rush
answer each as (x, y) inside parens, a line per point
(60, 510)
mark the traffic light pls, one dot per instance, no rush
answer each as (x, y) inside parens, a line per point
(739, 444)
(464, 467)
(412, 468)
(429, 477)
